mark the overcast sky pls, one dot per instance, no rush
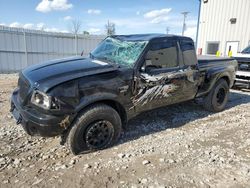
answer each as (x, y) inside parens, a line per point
(130, 16)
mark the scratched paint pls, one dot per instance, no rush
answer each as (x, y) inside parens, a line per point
(155, 87)
(146, 95)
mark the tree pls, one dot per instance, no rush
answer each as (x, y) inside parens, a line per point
(75, 26)
(85, 32)
(110, 28)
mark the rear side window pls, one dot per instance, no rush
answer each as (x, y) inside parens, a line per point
(188, 51)
(163, 54)
(187, 45)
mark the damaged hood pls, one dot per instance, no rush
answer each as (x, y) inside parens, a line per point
(47, 75)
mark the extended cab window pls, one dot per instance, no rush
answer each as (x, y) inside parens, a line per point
(188, 50)
(162, 54)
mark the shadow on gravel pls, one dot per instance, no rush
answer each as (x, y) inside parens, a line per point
(174, 116)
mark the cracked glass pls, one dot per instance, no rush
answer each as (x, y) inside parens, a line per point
(119, 52)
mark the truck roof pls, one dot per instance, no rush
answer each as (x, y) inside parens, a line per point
(147, 37)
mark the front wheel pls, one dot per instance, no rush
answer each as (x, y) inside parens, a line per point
(217, 98)
(96, 128)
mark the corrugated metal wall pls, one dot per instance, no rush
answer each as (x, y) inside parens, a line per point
(215, 25)
(20, 48)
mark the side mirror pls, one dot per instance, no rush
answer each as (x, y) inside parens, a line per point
(143, 68)
(146, 65)
(148, 62)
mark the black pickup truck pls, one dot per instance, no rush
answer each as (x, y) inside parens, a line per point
(88, 101)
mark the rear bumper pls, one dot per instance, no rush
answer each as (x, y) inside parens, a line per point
(34, 122)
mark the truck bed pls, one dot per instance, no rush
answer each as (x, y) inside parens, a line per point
(207, 62)
(213, 66)
(207, 59)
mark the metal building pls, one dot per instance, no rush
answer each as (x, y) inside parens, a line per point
(224, 25)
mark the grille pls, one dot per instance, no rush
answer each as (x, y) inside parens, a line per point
(23, 88)
(244, 66)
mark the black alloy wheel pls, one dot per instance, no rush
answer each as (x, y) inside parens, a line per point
(99, 134)
(217, 98)
(221, 96)
(97, 127)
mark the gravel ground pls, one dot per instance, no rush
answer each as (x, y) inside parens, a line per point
(177, 146)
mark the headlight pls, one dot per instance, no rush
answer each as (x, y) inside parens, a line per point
(41, 99)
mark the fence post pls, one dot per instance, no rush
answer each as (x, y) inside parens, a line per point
(25, 48)
(76, 45)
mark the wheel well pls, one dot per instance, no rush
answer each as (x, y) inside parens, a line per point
(117, 106)
(227, 79)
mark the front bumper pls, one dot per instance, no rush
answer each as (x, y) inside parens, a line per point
(242, 79)
(34, 122)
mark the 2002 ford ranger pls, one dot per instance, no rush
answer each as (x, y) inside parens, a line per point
(89, 100)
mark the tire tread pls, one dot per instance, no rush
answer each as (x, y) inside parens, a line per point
(88, 113)
(208, 100)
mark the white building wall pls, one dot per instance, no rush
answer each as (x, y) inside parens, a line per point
(215, 23)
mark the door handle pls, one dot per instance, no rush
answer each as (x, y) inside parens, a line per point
(194, 67)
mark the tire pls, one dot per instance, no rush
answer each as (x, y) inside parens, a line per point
(97, 127)
(217, 98)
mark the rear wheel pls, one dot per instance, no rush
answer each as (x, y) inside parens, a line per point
(217, 98)
(97, 127)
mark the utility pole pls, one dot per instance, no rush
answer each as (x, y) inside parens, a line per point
(110, 28)
(198, 24)
(184, 22)
(167, 30)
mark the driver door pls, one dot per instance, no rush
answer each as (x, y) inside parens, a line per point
(160, 81)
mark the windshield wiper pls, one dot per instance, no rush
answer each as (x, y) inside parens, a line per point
(108, 60)
(105, 59)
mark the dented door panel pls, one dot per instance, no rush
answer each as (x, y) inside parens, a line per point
(191, 78)
(158, 90)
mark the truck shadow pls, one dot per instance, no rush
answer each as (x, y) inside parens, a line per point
(174, 116)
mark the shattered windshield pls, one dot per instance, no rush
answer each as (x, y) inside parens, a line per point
(119, 52)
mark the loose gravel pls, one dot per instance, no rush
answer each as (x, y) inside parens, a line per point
(177, 146)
